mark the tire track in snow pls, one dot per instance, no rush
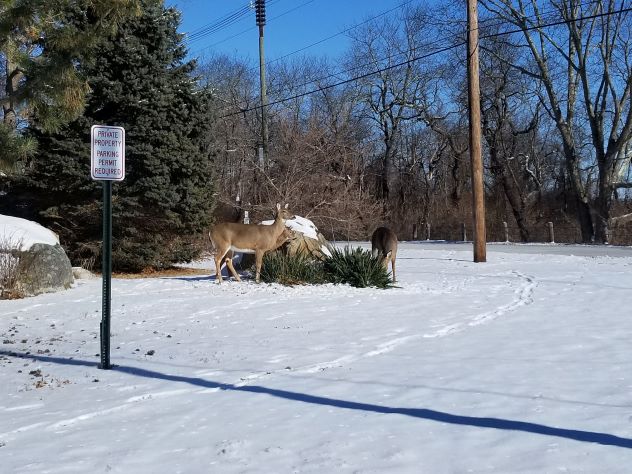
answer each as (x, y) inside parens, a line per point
(380, 349)
(130, 401)
(522, 297)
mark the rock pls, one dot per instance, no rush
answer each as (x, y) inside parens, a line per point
(43, 268)
(80, 273)
(31, 259)
(306, 239)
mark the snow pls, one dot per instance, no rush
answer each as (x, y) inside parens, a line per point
(22, 234)
(298, 224)
(305, 227)
(518, 365)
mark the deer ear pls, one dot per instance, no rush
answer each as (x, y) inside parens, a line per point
(278, 206)
(286, 206)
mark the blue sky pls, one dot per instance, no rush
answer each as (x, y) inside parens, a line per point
(291, 25)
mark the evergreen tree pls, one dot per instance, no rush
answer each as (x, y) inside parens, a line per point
(139, 80)
(40, 42)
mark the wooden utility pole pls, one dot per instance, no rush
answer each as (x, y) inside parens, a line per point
(478, 191)
(260, 12)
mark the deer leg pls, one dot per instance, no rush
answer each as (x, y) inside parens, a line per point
(393, 267)
(219, 257)
(258, 262)
(229, 265)
(385, 259)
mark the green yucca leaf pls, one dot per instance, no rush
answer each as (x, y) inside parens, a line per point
(291, 269)
(357, 267)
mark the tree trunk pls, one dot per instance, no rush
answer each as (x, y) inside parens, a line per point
(517, 206)
(12, 82)
(582, 207)
(456, 185)
(383, 189)
(602, 207)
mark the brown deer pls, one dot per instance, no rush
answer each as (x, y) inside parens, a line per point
(285, 236)
(384, 245)
(246, 238)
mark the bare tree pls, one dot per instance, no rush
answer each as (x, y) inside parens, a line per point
(509, 130)
(393, 94)
(583, 64)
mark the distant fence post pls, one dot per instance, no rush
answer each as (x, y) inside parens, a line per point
(506, 228)
(414, 231)
(551, 233)
(427, 230)
(246, 217)
(463, 233)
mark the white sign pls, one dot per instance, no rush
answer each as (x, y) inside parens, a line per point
(107, 152)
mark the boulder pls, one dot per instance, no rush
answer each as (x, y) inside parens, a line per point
(31, 259)
(43, 268)
(306, 239)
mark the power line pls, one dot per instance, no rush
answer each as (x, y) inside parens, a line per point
(442, 50)
(342, 32)
(401, 53)
(252, 28)
(377, 62)
(222, 23)
(218, 24)
(346, 81)
(335, 35)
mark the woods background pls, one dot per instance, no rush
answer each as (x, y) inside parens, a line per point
(378, 136)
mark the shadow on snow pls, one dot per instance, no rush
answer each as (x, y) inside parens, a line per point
(421, 413)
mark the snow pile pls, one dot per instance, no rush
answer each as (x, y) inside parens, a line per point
(305, 227)
(22, 234)
(299, 224)
(302, 225)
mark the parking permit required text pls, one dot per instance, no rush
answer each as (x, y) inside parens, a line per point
(108, 152)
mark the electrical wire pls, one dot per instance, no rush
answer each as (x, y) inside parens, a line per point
(442, 50)
(222, 23)
(408, 51)
(341, 32)
(253, 27)
(376, 62)
(217, 24)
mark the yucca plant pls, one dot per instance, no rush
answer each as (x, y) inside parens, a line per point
(291, 269)
(356, 267)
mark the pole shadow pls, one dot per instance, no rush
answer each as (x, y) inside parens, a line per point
(420, 413)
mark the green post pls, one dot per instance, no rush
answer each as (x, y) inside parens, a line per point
(106, 274)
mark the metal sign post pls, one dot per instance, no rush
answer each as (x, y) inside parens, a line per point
(107, 155)
(106, 272)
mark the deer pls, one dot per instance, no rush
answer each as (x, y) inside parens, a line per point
(384, 245)
(285, 236)
(247, 238)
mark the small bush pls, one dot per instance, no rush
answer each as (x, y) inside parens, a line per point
(356, 267)
(291, 269)
(9, 268)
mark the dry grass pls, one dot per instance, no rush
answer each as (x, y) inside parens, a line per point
(170, 272)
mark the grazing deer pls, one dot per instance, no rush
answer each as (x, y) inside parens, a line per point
(384, 244)
(246, 238)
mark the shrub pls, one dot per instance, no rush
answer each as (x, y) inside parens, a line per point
(356, 267)
(291, 269)
(9, 268)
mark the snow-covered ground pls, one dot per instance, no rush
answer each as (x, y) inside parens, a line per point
(522, 364)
